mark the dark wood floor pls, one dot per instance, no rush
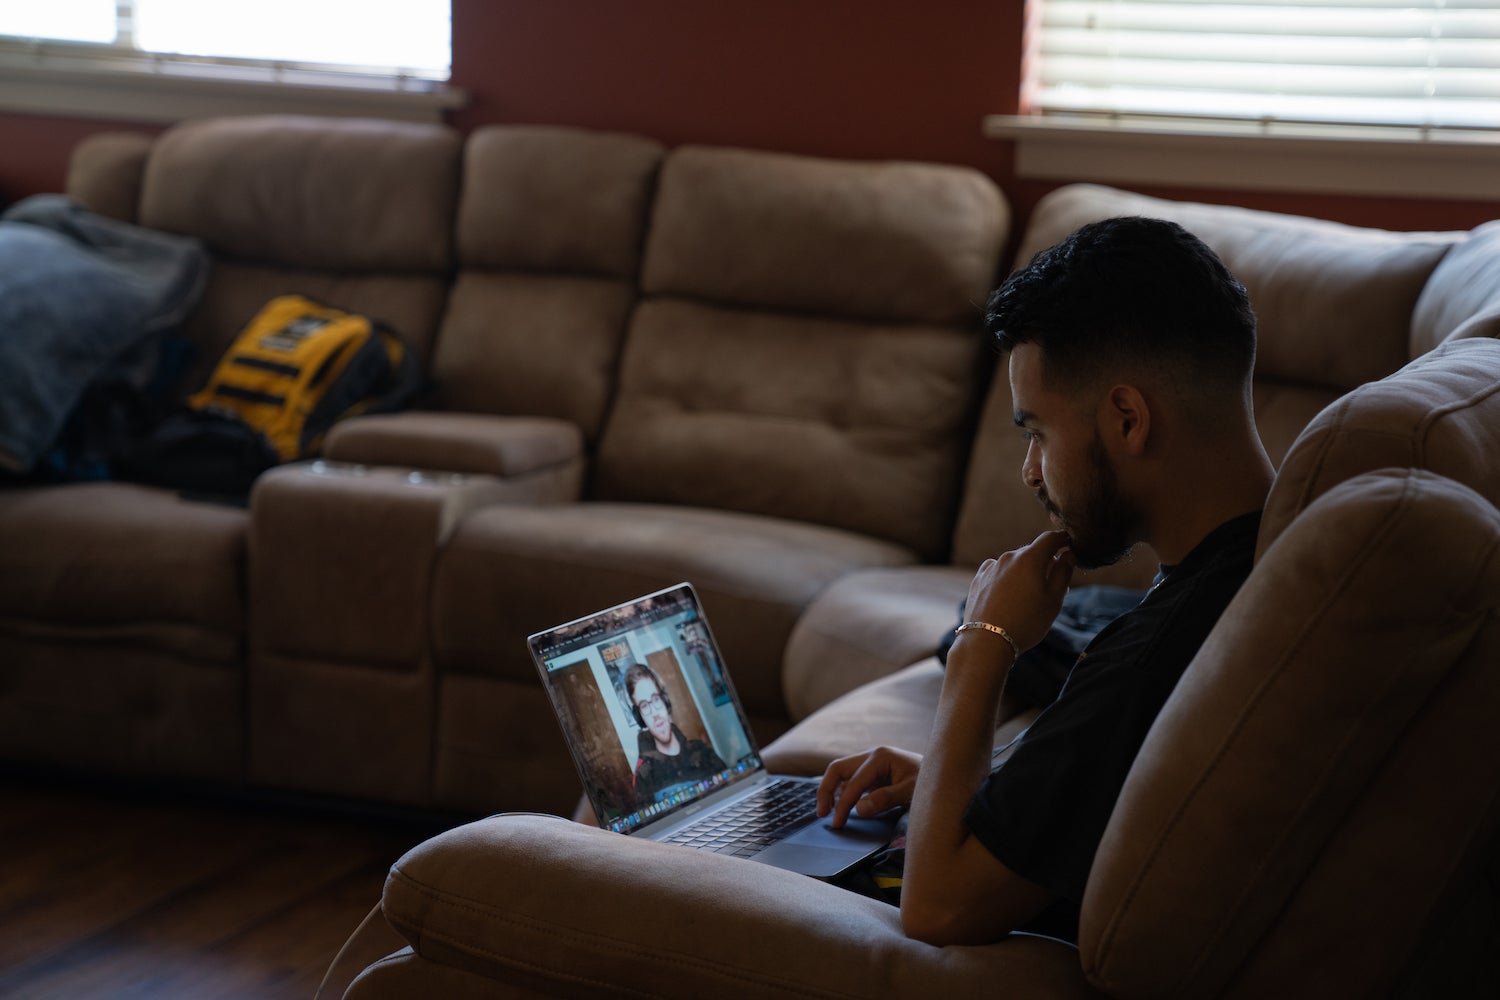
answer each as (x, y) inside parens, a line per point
(123, 891)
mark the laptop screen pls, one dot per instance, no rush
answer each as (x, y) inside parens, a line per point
(646, 707)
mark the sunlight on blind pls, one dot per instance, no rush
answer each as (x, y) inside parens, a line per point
(1401, 62)
(73, 20)
(406, 34)
(409, 37)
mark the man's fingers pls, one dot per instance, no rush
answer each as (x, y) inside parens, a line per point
(838, 772)
(873, 772)
(1051, 542)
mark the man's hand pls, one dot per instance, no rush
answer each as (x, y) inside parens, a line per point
(868, 783)
(1022, 590)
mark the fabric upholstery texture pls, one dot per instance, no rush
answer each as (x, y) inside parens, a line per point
(512, 571)
(1462, 297)
(365, 196)
(515, 916)
(341, 661)
(152, 701)
(1321, 699)
(105, 173)
(462, 442)
(888, 241)
(849, 425)
(867, 625)
(1441, 413)
(549, 231)
(542, 198)
(1310, 815)
(116, 554)
(808, 345)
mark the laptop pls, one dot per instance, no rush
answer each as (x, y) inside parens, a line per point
(660, 740)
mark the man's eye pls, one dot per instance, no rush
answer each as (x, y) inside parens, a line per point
(1030, 436)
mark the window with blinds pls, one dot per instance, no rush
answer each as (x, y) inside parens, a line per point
(1429, 63)
(340, 41)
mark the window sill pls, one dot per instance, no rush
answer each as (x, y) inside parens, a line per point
(1315, 159)
(170, 94)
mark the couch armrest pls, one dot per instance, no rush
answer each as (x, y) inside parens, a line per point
(341, 684)
(868, 625)
(516, 449)
(545, 906)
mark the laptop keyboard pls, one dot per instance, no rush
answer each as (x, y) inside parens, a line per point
(750, 825)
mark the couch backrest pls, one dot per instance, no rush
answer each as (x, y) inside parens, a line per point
(1334, 306)
(105, 172)
(1462, 298)
(1320, 787)
(357, 214)
(1339, 714)
(550, 227)
(1440, 413)
(807, 345)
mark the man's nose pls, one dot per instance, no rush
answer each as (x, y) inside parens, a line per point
(1031, 468)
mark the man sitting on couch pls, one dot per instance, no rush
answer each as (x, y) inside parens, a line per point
(1131, 348)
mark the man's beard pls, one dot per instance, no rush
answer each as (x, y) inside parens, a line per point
(1103, 520)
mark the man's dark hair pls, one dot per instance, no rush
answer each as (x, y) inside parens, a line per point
(1127, 293)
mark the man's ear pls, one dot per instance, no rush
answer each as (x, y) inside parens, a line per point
(1126, 419)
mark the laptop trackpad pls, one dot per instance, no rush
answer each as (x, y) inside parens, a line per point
(821, 851)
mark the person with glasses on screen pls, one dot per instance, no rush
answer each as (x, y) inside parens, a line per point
(668, 759)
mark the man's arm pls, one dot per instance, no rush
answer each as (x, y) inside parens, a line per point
(954, 891)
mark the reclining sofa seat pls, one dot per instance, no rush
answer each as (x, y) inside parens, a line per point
(793, 399)
(1312, 815)
(123, 628)
(549, 229)
(1336, 306)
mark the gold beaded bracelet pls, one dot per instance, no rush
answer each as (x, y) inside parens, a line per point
(967, 626)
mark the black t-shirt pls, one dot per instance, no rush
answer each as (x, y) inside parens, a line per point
(1042, 813)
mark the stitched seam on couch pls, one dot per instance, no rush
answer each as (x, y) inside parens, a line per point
(1421, 433)
(593, 941)
(1366, 552)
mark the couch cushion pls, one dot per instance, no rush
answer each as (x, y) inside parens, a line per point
(357, 214)
(1462, 298)
(1333, 303)
(867, 625)
(568, 329)
(858, 426)
(115, 554)
(105, 172)
(897, 710)
(511, 571)
(320, 193)
(548, 199)
(550, 230)
(1326, 769)
(544, 907)
(883, 241)
(1441, 412)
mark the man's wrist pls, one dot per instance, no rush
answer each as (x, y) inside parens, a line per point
(979, 626)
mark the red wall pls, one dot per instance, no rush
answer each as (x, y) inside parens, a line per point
(854, 78)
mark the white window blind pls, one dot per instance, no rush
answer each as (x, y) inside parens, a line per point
(1429, 63)
(342, 42)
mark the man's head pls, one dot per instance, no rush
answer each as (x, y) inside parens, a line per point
(1126, 322)
(649, 702)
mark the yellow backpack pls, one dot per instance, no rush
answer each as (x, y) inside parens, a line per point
(298, 367)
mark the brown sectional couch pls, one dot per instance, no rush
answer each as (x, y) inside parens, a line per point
(1312, 815)
(758, 372)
